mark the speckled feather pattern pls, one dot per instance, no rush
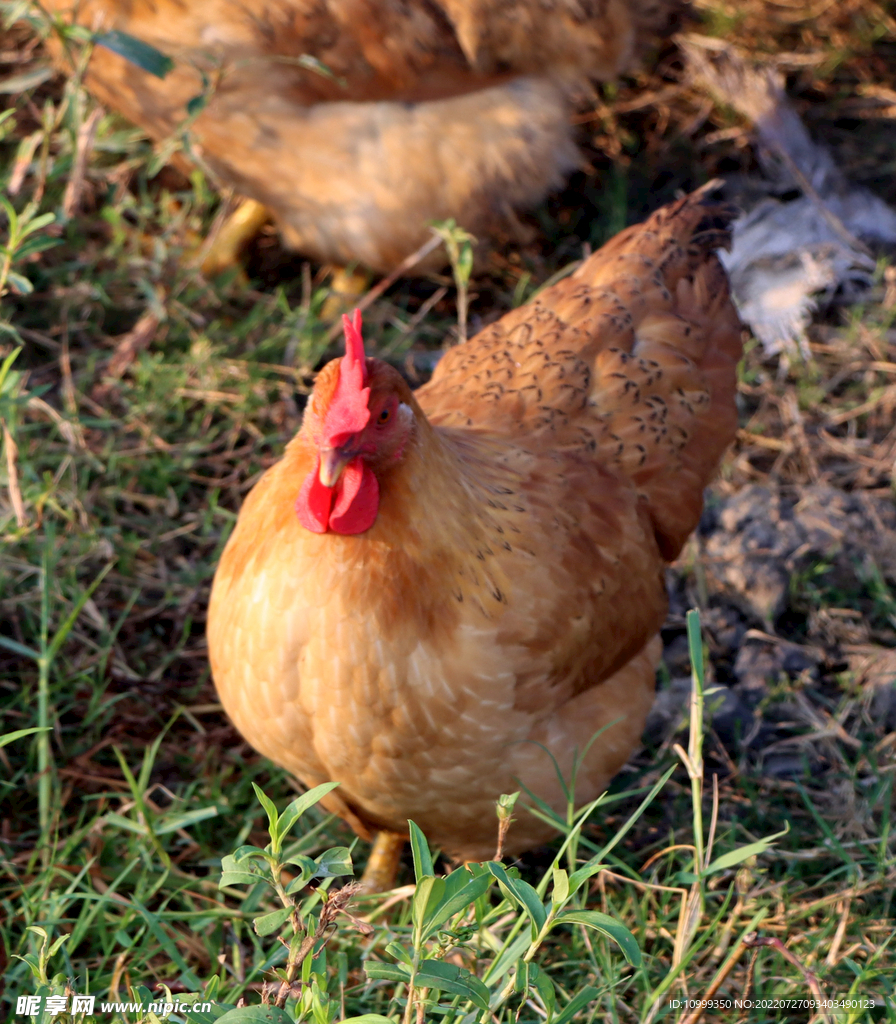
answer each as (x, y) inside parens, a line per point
(507, 600)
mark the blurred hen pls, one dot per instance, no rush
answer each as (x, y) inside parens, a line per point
(357, 122)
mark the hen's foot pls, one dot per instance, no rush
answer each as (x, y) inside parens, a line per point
(346, 287)
(382, 866)
(234, 235)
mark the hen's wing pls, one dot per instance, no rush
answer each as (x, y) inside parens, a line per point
(631, 358)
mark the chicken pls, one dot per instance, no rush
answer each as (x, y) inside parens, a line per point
(358, 122)
(436, 596)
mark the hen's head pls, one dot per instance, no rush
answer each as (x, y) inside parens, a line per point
(360, 422)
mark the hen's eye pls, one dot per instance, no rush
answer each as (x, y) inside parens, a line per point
(384, 416)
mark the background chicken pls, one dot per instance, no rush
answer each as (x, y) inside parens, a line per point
(432, 590)
(357, 122)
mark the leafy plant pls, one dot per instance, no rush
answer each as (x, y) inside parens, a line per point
(307, 919)
(459, 244)
(448, 913)
(23, 241)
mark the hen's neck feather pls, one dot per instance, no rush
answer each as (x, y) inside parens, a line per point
(432, 541)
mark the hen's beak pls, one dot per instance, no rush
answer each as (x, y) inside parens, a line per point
(332, 462)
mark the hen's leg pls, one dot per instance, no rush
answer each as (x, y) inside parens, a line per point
(346, 287)
(235, 234)
(382, 866)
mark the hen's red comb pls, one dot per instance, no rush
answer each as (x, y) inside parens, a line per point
(354, 346)
(348, 412)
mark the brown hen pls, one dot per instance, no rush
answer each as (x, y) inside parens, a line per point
(358, 122)
(434, 592)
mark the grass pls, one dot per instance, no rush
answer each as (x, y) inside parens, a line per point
(139, 403)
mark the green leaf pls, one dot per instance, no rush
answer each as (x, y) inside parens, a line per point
(420, 850)
(7, 328)
(387, 972)
(273, 817)
(267, 924)
(256, 1015)
(297, 884)
(207, 1016)
(144, 55)
(235, 873)
(196, 104)
(450, 978)
(576, 1004)
(451, 904)
(400, 953)
(11, 737)
(119, 821)
(332, 863)
(4, 373)
(307, 868)
(143, 995)
(302, 861)
(35, 245)
(242, 854)
(521, 893)
(36, 223)
(54, 949)
(608, 926)
(738, 856)
(695, 643)
(185, 820)
(17, 648)
(560, 892)
(11, 215)
(33, 963)
(19, 283)
(465, 262)
(427, 898)
(301, 804)
(544, 986)
(29, 79)
(229, 878)
(368, 1018)
(459, 879)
